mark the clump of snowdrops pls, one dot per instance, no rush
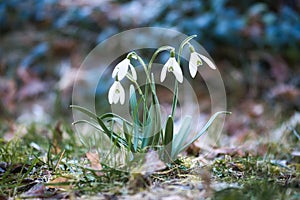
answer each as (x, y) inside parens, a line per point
(147, 130)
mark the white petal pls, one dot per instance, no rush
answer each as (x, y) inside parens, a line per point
(111, 93)
(121, 95)
(164, 71)
(169, 62)
(208, 61)
(123, 68)
(133, 72)
(194, 58)
(115, 71)
(116, 98)
(193, 69)
(177, 70)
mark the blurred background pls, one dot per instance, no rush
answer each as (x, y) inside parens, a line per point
(255, 45)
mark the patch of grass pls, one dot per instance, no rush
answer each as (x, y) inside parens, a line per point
(259, 190)
(53, 158)
(50, 162)
(253, 169)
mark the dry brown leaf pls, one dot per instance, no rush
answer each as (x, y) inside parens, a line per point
(93, 157)
(37, 190)
(152, 163)
(225, 151)
(60, 183)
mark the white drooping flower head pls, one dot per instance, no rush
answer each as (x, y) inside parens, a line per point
(116, 93)
(196, 61)
(121, 70)
(171, 66)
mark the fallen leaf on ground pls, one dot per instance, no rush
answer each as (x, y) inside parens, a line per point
(225, 151)
(93, 157)
(60, 183)
(152, 163)
(37, 191)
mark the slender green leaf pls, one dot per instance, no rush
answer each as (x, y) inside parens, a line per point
(96, 126)
(128, 137)
(150, 127)
(168, 137)
(111, 116)
(106, 116)
(204, 129)
(169, 131)
(180, 138)
(132, 99)
(136, 134)
(85, 111)
(135, 115)
(111, 134)
(158, 127)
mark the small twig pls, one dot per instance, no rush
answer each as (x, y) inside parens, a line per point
(60, 158)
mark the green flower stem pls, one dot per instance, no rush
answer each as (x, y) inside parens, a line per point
(183, 43)
(155, 54)
(136, 85)
(145, 68)
(148, 81)
(175, 97)
(192, 49)
(163, 48)
(141, 61)
(145, 96)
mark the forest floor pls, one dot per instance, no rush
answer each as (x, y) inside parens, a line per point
(45, 163)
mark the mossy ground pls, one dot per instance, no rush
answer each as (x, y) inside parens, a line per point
(47, 162)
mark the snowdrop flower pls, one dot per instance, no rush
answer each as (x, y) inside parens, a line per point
(116, 93)
(196, 61)
(171, 66)
(121, 70)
